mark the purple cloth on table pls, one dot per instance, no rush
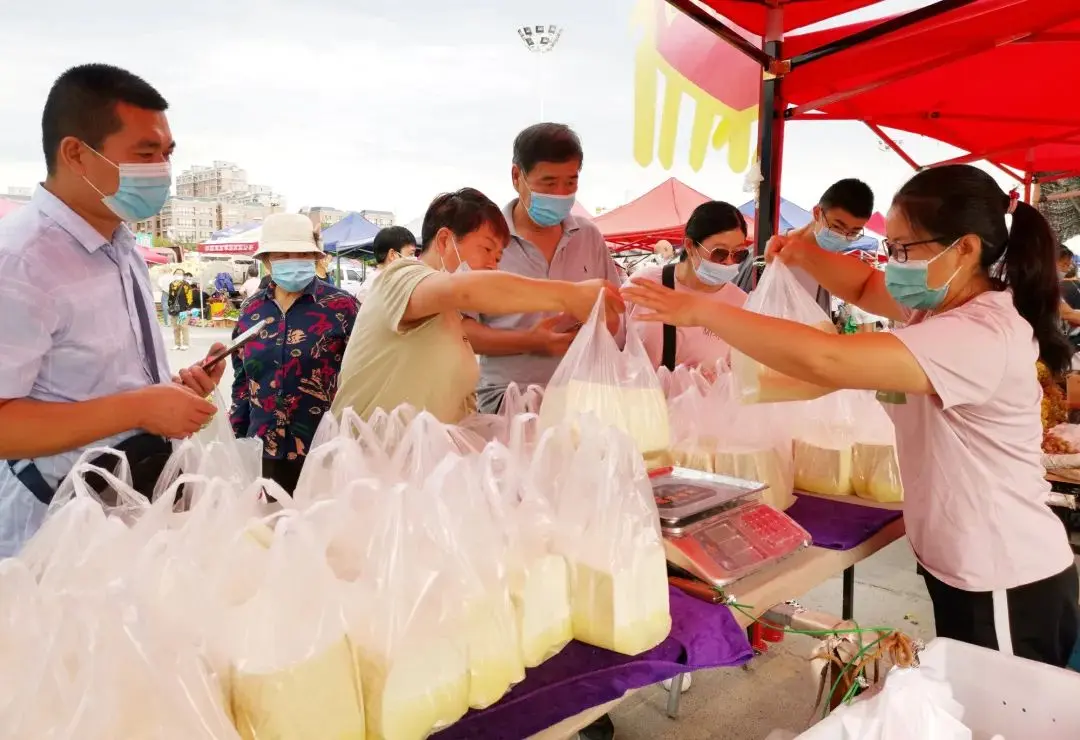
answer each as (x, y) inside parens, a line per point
(838, 525)
(581, 676)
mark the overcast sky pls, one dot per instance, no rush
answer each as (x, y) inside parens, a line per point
(382, 104)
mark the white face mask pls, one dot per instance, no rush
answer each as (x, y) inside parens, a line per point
(462, 266)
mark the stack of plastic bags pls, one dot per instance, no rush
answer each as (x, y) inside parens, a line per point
(845, 444)
(716, 434)
(415, 574)
(619, 387)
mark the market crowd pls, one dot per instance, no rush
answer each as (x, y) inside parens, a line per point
(488, 296)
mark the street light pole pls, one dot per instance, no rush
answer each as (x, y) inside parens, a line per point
(540, 39)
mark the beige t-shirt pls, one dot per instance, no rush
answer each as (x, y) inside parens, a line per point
(429, 365)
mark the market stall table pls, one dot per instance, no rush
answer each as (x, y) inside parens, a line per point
(577, 685)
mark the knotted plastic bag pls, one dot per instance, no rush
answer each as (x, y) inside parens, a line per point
(779, 294)
(214, 452)
(609, 532)
(619, 387)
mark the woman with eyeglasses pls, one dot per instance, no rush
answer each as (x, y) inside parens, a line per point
(977, 298)
(713, 248)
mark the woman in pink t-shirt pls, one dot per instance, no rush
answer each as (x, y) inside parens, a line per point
(979, 303)
(713, 247)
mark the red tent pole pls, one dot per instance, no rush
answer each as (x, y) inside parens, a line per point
(770, 138)
(1027, 187)
(1010, 172)
(1023, 144)
(894, 146)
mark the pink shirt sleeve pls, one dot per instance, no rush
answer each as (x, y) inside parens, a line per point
(963, 353)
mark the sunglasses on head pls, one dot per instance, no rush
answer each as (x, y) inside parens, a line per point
(720, 255)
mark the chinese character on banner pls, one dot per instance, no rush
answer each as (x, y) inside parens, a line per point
(723, 83)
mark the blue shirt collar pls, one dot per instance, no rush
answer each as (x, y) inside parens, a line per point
(74, 224)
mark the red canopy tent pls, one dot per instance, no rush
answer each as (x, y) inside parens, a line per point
(987, 86)
(151, 256)
(753, 15)
(661, 213)
(845, 64)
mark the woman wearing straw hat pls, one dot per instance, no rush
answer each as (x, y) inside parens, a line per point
(287, 377)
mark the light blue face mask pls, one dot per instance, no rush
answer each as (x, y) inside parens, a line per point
(292, 275)
(907, 283)
(548, 210)
(830, 241)
(713, 274)
(144, 188)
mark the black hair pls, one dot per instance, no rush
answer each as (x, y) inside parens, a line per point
(463, 212)
(854, 196)
(82, 103)
(546, 142)
(188, 274)
(713, 217)
(950, 202)
(1064, 253)
(253, 271)
(391, 239)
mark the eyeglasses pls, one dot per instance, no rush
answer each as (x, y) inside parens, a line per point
(720, 255)
(851, 236)
(899, 252)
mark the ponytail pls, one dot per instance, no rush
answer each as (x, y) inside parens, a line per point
(1030, 270)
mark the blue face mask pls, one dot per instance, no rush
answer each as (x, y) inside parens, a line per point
(549, 210)
(144, 188)
(907, 283)
(830, 241)
(292, 275)
(713, 274)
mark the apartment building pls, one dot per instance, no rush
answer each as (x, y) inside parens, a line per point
(323, 217)
(379, 218)
(208, 199)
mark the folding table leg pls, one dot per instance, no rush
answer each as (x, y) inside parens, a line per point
(675, 696)
(849, 593)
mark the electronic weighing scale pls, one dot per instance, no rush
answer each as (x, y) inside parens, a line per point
(717, 528)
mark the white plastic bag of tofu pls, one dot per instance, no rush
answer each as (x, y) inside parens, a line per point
(779, 294)
(717, 434)
(413, 669)
(875, 469)
(538, 576)
(824, 443)
(619, 387)
(458, 518)
(293, 672)
(608, 529)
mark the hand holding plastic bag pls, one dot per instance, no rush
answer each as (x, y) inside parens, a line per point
(779, 294)
(619, 387)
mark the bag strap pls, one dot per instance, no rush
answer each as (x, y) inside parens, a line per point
(667, 355)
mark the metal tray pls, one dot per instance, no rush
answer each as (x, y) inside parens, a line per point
(683, 495)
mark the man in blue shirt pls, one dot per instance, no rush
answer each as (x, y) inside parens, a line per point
(82, 361)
